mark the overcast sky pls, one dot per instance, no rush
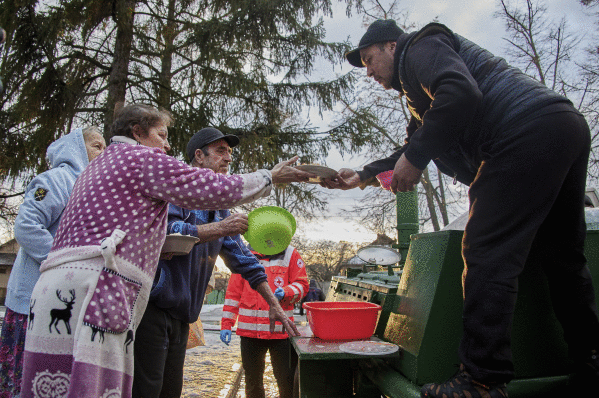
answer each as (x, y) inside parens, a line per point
(473, 19)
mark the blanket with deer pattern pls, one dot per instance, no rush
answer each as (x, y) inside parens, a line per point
(84, 312)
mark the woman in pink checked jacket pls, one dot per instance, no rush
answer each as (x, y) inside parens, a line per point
(95, 283)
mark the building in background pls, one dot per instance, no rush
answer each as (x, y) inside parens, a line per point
(8, 254)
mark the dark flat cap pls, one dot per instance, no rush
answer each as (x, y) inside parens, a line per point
(380, 31)
(206, 136)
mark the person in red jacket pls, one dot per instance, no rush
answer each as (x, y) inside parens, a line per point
(287, 278)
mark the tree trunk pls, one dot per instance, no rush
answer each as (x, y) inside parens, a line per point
(442, 202)
(430, 199)
(117, 82)
(168, 34)
(343, 252)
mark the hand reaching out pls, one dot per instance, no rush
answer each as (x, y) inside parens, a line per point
(276, 313)
(345, 179)
(283, 173)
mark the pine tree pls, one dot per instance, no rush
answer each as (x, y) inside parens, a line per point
(45, 75)
(242, 66)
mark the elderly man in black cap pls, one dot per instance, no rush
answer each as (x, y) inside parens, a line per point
(180, 283)
(523, 150)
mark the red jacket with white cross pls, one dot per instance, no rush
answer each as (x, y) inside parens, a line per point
(286, 270)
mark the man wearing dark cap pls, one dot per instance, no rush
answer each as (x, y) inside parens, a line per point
(523, 150)
(180, 283)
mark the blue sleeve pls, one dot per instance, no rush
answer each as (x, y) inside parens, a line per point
(39, 212)
(240, 260)
(178, 221)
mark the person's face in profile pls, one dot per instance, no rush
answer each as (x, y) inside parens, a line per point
(156, 137)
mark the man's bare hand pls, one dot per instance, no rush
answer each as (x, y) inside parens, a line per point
(345, 179)
(283, 173)
(235, 224)
(405, 176)
(276, 313)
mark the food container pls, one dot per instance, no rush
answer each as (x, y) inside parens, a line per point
(318, 170)
(342, 320)
(179, 244)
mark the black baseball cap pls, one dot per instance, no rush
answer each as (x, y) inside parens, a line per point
(206, 136)
(380, 31)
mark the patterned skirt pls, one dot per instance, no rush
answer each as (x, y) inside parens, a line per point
(12, 346)
(81, 343)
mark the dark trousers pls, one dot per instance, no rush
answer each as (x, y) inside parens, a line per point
(159, 354)
(527, 198)
(253, 355)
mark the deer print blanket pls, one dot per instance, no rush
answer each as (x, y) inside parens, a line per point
(86, 323)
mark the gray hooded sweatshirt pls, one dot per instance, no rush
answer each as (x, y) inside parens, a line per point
(46, 197)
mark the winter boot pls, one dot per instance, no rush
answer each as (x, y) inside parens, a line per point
(462, 385)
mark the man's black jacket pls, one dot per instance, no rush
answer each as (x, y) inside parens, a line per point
(463, 101)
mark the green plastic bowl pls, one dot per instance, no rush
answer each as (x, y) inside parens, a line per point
(270, 229)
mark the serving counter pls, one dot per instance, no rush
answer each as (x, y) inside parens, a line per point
(327, 371)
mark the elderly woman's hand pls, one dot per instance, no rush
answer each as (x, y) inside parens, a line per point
(283, 173)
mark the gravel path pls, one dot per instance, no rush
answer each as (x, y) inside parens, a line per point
(211, 370)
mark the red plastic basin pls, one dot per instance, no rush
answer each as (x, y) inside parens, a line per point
(342, 320)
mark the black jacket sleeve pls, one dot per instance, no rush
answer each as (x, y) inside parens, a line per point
(381, 165)
(372, 169)
(433, 64)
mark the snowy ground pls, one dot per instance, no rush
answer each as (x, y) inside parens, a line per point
(211, 370)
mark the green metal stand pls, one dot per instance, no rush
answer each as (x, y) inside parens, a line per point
(394, 385)
(426, 324)
(215, 297)
(407, 220)
(327, 372)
